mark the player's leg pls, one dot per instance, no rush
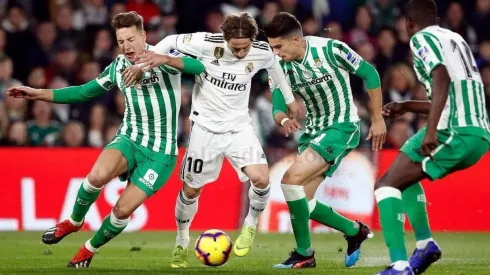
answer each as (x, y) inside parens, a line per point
(152, 172)
(113, 225)
(111, 163)
(258, 195)
(247, 157)
(200, 165)
(307, 164)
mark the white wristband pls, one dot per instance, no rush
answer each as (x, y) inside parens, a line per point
(284, 121)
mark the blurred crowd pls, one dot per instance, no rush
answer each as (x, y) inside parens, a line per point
(59, 43)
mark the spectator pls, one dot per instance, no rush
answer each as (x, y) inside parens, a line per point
(455, 22)
(311, 27)
(16, 108)
(239, 6)
(66, 33)
(168, 22)
(214, 18)
(37, 78)
(334, 31)
(386, 47)
(362, 31)
(3, 42)
(17, 135)
(95, 13)
(73, 134)
(484, 57)
(485, 75)
(60, 110)
(402, 49)
(46, 36)
(42, 130)
(116, 8)
(398, 133)
(65, 62)
(385, 12)
(19, 41)
(96, 128)
(145, 8)
(398, 84)
(6, 80)
(294, 7)
(102, 47)
(481, 19)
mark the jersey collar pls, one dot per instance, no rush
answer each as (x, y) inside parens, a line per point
(307, 52)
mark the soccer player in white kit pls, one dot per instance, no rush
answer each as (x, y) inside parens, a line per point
(221, 122)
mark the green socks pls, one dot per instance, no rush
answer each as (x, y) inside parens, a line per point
(325, 215)
(111, 227)
(415, 205)
(87, 194)
(392, 218)
(300, 217)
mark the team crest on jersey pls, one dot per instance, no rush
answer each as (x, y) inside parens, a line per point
(219, 52)
(187, 38)
(249, 68)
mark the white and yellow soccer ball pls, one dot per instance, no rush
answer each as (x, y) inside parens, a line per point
(213, 247)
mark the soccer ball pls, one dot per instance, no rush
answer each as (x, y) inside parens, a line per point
(213, 247)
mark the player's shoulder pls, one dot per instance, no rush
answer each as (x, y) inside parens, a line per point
(261, 45)
(317, 41)
(213, 38)
(434, 34)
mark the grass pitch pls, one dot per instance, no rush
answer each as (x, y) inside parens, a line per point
(149, 253)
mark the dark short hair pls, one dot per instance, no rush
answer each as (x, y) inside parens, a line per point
(282, 24)
(240, 25)
(421, 11)
(127, 20)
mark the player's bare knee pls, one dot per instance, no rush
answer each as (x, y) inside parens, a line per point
(98, 178)
(292, 177)
(121, 212)
(190, 192)
(260, 181)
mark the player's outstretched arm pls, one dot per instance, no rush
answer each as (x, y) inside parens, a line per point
(150, 60)
(279, 78)
(377, 132)
(397, 108)
(279, 113)
(71, 94)
(440, 88)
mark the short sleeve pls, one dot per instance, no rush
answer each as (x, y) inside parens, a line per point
(426, 50)
(106, 78)
(190, 43)
(346, 57)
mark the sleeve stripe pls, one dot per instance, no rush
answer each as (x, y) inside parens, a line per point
(433, 47)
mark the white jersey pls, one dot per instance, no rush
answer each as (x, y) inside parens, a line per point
(465, 106)
(220, 96)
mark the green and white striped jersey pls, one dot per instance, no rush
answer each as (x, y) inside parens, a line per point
(465, 107)
(321, 79)
(152, 108)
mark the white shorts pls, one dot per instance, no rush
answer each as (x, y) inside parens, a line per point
(205, 152)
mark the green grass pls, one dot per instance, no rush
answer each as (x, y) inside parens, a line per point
(23, 253)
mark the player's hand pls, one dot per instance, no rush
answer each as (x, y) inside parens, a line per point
(394, 109)
(24, 92)
(377, 133)
(429, 144)
(149, 60)
(293, 110)
(290, 126)
(132, 75)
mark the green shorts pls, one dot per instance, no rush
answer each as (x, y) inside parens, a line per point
(454, 152)
(147, 169)
(333, 143)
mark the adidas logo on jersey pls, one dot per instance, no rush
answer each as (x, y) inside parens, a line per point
(215, 62)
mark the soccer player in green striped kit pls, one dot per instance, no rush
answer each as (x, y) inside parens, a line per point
(457, 134)
(318, 71)
(144, 150)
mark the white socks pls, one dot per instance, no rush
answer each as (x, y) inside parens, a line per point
(400, 265)
(258, 201)
(185, 210)
(423, 243)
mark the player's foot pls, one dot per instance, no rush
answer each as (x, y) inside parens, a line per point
(56, 234)
(392, 271)
(354, 244)
(179, 257)
(82, 259)
(244, 242)
(423, 258)
(297, 260)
